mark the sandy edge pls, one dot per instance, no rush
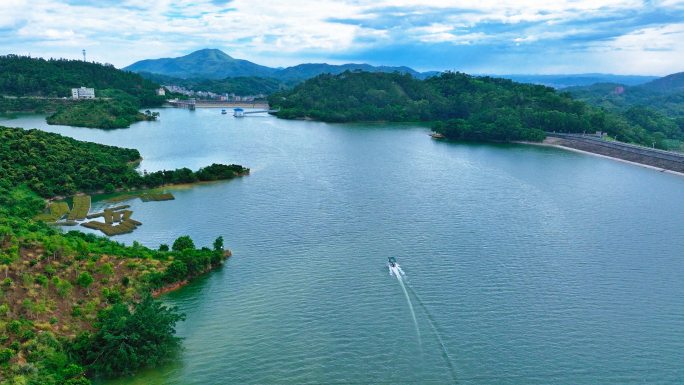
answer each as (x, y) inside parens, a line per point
(605, 156)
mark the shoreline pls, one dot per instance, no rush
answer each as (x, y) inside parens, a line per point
(177, 285)
(134, 189)
(551, 143)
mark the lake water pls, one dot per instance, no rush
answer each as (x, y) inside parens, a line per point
(524, 264)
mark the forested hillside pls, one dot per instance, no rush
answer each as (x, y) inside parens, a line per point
(41, 84)
(467, 107)
(619, 97)
(26, 76)
(52, 164)
(242, 85)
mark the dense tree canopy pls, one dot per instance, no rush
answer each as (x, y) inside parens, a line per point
(240, 85)
(466, 107)
(26, 76)
(51, 164)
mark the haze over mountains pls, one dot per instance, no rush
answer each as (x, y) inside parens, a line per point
(665, 95)
(216, 64)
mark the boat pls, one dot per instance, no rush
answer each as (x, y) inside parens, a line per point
(223, 112)
(392, 261)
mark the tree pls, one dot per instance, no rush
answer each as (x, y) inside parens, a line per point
(176, 271)
(85, 280)
(109, 188)
(130, 339)
(63, 287)
(218, 244)
(107, 270)
(182, 243)
(163, 247)
(6, 355)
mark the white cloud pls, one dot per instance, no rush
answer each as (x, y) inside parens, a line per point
(124, 32)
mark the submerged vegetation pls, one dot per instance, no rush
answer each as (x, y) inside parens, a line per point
(465, 107)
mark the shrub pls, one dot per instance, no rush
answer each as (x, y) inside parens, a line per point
(6, 355)
(163, 247)
(182, 243)
(28, 335)
(14, 326)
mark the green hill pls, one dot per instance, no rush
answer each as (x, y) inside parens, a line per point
(216, 64)
(466, 107)
(660, 95)
(206, 63)
(306, 71)
(26, 76)
(669, 84)
(241, 85)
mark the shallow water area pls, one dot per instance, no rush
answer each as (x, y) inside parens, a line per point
(524, 264)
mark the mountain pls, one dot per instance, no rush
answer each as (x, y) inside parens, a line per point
(562, 81)
(665, 95)
(205, 63)
(216, 64)
(310, 70)
(668, 84)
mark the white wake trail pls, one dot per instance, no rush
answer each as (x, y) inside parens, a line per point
(397, 272)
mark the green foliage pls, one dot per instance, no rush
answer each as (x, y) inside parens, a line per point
(467, 107)
(22, 75)
(98, 113)
(109, 188)
(220, 171)
(85, 279)
(240, 85)
(163, 247)
(64, 287)
(176, 271)
(14, 326)
(130, 339)
(182, 243)
(6, 355)
(218, 244)
(107, 270)
(51, 164)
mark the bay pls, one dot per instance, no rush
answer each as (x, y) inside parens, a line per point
(523, 264)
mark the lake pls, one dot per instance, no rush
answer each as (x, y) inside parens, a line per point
(524, 264)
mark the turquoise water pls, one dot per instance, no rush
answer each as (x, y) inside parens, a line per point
(524, 264)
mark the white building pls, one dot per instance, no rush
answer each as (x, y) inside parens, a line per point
(161, 92)
(83, 93)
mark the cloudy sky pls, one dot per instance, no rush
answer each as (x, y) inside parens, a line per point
(474, 36)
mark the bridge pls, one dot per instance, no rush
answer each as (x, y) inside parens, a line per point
(189, 104)
(239, 112)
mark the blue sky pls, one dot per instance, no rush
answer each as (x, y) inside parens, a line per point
(483, 36)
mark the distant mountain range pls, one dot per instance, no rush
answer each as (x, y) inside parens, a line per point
(563, 81)
(665, 95)
(216, 64)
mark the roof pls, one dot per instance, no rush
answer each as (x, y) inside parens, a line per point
(238, 109)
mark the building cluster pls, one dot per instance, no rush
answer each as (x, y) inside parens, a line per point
(212, 95)
(83, 93)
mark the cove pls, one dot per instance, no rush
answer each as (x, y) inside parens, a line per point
(523, 264)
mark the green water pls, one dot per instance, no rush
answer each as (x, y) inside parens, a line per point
(524, 264)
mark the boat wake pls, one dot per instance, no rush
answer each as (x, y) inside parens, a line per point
(395, 270)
